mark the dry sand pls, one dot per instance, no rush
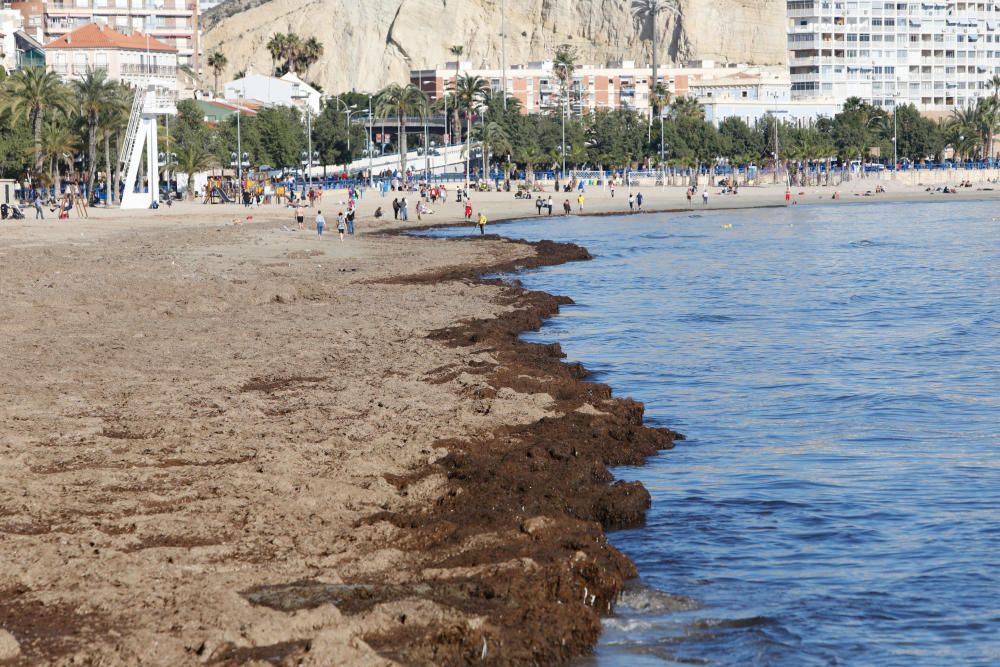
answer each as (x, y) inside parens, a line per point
(196, 407)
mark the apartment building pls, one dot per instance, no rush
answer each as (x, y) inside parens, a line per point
(614, 86)
(138, 60)
(935, 54)
(174, 22)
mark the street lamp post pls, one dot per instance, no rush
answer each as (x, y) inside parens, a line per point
(371, 146)
(565, 105)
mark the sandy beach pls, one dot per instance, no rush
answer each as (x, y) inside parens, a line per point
(227, 441)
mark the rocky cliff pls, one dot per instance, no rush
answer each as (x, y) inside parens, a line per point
(369, 43)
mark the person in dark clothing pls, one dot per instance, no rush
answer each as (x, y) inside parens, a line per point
(395, 208)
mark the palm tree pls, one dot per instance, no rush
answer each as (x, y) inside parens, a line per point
(687, 108)
(285, 50)
(401, 101)
(30, 93)
(94, 93)
(650, 10)
(456, 50)
(217, 61)
(113, 120)
(59, 144)
(193, 157)
(309, 54)
(494, 138)
(564, 65)
(276, 47)
(469, 92)
(659, 97)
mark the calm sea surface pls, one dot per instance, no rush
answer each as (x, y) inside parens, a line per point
(837, 373)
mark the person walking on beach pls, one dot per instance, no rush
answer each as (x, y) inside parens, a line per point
(403, 213)
(579, 201)
(631, 202)
(320, 223)
(350, 221)
(39, 211)
(300, 216)
(538, 204)
(549, 204)
(341, 226)
(482, 224)
(704, 196)
(468, 211)
(689, 195)
(395, 208)
(612, 190)
(638, 202)
(567, 208)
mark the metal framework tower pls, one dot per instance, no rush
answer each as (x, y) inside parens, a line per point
(141, 134)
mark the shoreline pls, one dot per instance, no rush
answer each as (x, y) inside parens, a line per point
(563, 497)
(249, 444)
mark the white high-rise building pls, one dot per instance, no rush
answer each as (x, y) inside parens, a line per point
(935, 54)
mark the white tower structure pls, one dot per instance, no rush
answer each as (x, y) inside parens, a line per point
(141, 137)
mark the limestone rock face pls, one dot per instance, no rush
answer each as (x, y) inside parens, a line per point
(369, 43)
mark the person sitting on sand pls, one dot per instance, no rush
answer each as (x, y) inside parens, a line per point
(378, 213)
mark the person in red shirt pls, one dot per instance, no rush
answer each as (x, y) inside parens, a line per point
(468, 211)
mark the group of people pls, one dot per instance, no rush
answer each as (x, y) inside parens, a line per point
(692, 191)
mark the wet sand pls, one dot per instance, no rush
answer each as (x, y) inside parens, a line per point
(225, 441)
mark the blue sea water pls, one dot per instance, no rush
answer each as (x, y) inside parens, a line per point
(837, 373)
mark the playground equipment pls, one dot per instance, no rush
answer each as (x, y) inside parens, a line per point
(141, 134)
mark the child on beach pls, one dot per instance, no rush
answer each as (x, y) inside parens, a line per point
(468, 211)
(341, 226)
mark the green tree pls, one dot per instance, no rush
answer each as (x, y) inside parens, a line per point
(94, 92)
(194, 157)
(400, 102)
(59, 145)
(281, 135)
(217, 61)
(30, 94)
(469, 93)
(308, 55)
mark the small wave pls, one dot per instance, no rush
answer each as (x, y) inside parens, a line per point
(705, 317)
(734, 623)
(865, 243)
(650, 601)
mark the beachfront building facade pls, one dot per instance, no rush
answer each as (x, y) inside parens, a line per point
(174, 22)
(620, 85)
(934, 54)
(137, 60)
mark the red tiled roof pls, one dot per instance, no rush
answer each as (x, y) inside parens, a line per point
(94, 36)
